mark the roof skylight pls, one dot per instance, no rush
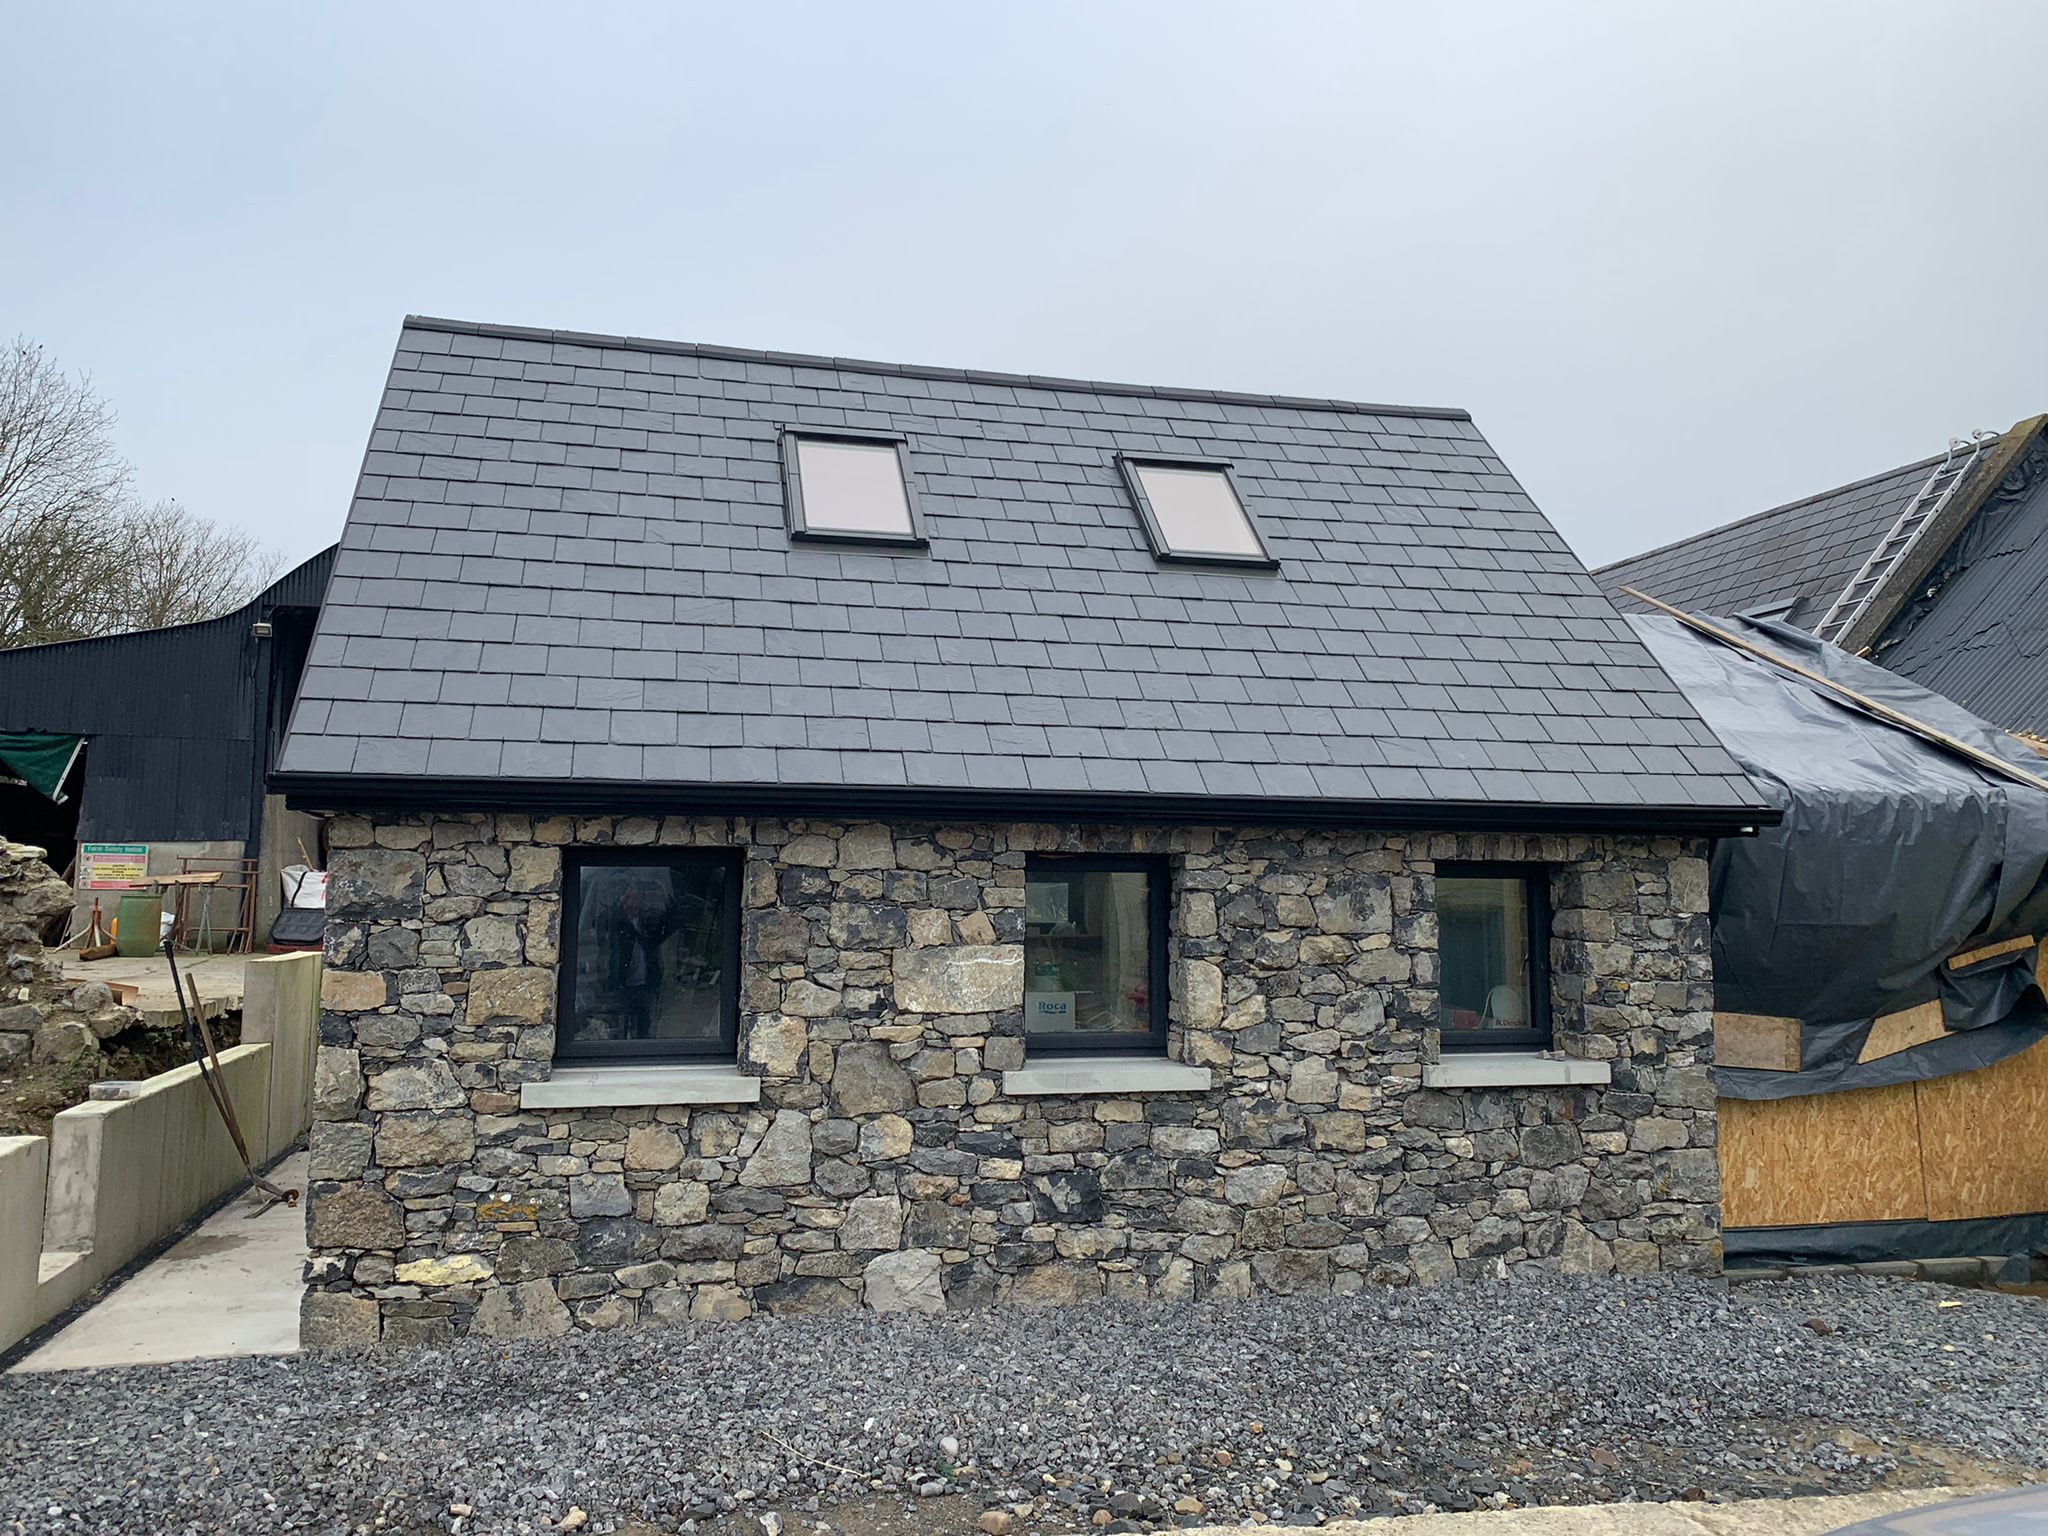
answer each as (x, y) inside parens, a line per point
(1192, 511)
(849, 488)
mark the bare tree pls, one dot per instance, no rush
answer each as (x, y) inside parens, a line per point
(78, 556)
(187, 568)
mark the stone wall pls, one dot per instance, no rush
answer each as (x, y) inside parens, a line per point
(881, 1003)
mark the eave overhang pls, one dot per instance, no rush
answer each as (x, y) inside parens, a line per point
(456, 796)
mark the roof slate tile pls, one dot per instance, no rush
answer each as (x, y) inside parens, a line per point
(566, 558)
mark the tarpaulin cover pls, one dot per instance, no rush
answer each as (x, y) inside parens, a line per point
(40, 760)
(1894, 855)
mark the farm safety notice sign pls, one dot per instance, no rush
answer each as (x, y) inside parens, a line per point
(112, 866)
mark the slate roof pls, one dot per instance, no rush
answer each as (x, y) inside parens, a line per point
(566, 573)
(1804, 552)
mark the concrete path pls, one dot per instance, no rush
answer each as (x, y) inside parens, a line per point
(1744, 1517)
(230, 1288)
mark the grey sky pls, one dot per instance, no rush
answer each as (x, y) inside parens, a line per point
(1681, 263)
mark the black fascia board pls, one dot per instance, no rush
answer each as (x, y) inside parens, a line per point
(1162, 551)
(452, 796)
(793, 489)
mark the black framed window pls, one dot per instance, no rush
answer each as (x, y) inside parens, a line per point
(1095, 954)
(1493, 954)
(1192, 511)
(850, 487)
(650, 954)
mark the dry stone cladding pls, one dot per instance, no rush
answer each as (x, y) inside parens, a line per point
(881, 1004)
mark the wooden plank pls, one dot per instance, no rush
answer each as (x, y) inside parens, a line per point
(1832, 1157)
(1892, 1033)
(1990, 952)
(1758, 1041)
(1985, 1139)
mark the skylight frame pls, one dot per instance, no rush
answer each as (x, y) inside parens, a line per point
(791, 437)
(1162, 550)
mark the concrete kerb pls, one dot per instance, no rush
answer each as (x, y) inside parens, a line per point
(1741, 1517)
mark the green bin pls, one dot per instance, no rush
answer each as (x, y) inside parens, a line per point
(137, 921)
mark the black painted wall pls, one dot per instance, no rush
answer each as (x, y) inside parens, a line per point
(178, 721)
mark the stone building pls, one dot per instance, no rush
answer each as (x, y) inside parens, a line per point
(814, 834)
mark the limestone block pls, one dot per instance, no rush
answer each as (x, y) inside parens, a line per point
(960, 978)
(520, 994)
(866, 847)
(872, 1222)
(1055, 1285)
(529, 1311)
(1259, 1185)
(417, 1138)
(455, 1269)
(807, 1000)
(904, 1282)
(329, 1320)
(867, 1081)
(339, 1149)
(337, 1083)
(779, 935)
(810, 852)
(720, 1304)
(885, 1138)
(775, 1044)
(370, 884)
(868, 925)
(783, 1158)
(534, 869)
(653, 1148)
(1201, 992)
(355, 1216)
(429, 1085)
(599, 1194)
(353, 991)
(681, 1204)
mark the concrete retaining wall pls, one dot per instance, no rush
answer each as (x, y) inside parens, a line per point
(24, 1163)
(116, 1175)
(281, 1008)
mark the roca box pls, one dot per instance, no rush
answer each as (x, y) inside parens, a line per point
(1048, 1010)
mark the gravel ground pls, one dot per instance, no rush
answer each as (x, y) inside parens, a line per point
(1533, 1391)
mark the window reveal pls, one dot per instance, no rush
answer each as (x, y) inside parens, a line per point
(650, 961)
(1095, 955)
(1493, 950)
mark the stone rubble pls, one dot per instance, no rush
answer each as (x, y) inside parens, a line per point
(43, 1016)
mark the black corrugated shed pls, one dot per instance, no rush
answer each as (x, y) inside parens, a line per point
(177, 721)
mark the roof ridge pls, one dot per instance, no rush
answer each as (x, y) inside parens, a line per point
(924, 371)
(1741, 522)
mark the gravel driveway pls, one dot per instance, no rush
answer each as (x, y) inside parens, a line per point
(1533, 1391)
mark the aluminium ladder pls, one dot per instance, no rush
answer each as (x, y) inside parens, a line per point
(1940, 489)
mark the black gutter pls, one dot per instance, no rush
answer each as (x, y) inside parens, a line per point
(454, 796)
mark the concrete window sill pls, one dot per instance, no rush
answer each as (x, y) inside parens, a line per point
(1513, 1069)
(625, 1087)
(1072, 1076)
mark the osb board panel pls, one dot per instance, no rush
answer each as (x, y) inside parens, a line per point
(1756, 1040)
(1834, 1157)
(1984, 1139)
(1895, 1032)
